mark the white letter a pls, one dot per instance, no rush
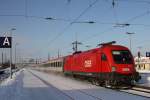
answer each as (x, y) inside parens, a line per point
(6, 41)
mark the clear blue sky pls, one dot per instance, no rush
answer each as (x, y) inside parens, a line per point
(35, 35)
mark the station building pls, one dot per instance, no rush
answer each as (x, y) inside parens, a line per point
(142, 63)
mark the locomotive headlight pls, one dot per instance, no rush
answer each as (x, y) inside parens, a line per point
(113, 69)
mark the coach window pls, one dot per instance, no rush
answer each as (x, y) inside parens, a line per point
(57, 64)
(54, 64)
(103, 57)
(60, 64)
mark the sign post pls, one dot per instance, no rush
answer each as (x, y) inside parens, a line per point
(6, 42)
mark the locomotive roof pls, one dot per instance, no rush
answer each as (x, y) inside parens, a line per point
(94, 50)
(104, 46)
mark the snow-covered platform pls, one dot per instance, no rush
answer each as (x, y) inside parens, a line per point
(34, 85)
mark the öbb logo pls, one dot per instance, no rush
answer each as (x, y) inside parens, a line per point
(87, 63)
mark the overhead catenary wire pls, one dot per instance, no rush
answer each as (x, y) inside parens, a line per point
(109, 29)
(70, 24)
(84, 11)
(26, 8)
(138, 16)
(139, 24)
(84, 21)
(95, 35)
(92, 23)
(114, 11)
(20, 15)
(135, 1)
(36, 17)
(76, 20)
(126, 23)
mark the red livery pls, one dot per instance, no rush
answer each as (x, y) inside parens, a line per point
(109, 65)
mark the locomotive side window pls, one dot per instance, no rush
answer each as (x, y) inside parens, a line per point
(103, 57)
(122, 57)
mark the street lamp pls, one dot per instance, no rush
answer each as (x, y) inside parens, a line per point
(128, 33)
(12, 29)
(16, 53)
(139, 55)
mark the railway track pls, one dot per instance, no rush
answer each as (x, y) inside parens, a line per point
(138, 91)
(141, 90)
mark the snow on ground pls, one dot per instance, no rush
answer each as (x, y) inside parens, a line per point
(144, 71)
(28, 87)
(145, 78)
(9, 81)
(34, 85)
(76, 88)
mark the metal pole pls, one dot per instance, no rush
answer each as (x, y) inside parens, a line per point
(58, 53)
(2, 58)
(130, 42)
(11, 61)
(11, 52)
(5, 60)
(130, 39)
(139, 55)
(15, 54)
(48, 56)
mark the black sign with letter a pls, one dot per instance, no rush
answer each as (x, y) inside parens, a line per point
(147, 54)
(5, 42)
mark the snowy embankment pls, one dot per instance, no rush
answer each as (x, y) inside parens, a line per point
(10, 80)
(145, 78)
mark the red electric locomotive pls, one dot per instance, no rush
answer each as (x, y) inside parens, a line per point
(109, 65)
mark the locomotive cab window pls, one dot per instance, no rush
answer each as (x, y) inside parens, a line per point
(103, 57)
(122, 57)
